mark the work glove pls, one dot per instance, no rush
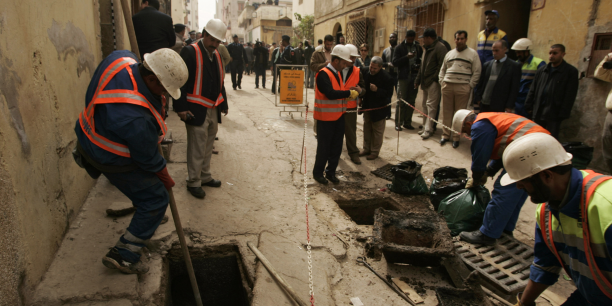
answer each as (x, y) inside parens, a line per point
(354, 95)
(518, 301)
(471, 183)
(164, 176)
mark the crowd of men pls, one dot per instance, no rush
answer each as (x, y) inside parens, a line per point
(511, 109)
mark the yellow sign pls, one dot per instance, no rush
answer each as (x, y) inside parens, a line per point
(292, 87)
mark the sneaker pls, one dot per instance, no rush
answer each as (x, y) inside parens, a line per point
(477, 237)
(425, 135)
(113, 260)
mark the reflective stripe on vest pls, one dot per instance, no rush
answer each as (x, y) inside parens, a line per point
(196, 97)
(326, 109)
(486, 43)
(603, 279)
(101, 96)
(352, 81)
(509, 127)
(529, 70)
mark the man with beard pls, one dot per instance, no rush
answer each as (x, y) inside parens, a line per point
(387, 57)
(531, 64)
(491, 133)
(572, 223)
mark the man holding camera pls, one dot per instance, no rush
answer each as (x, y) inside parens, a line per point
(406, 58)
(604, 73)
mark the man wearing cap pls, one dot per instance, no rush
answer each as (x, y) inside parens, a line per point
(201, 104)
(118, 134)
(192, 38)
(491, 133)
(352, 78)
(489, 35)
(239, 58)
(427, 78)
(330, 106)
(153, 29)
(572, 222)
(531, 64)
(179, 31)
(407, 59)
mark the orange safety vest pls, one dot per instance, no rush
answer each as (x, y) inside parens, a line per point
(326, 109)
(589, 184)
(102, 96)
(352, 81)
(196, 97)
(509, 127)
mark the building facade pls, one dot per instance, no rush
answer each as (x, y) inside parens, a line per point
(267, 23)
(191, 15)
(229, 11)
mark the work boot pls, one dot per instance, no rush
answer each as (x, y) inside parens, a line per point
(332, 178)
(212, 183)
(509, 233)
(164, 220)
(425, 135)
(355, 159)
(320, 179)
(113, 260)
(197, 192)
(372, 156)
(477, 237)
(364, 153)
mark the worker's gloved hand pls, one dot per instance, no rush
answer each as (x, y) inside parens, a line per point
(470, 183)
(354, 95)
(164, 176)
(519, 303)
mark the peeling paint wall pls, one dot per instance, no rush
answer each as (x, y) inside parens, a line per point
(48, 53)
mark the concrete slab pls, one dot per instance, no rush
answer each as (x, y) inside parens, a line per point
(290, 260)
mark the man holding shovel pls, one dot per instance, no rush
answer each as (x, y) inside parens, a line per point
(118, 134)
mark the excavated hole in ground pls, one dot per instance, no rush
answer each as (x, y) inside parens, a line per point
(219, 272)
(362, 211)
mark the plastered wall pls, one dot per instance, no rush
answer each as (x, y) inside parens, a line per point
(48, 53)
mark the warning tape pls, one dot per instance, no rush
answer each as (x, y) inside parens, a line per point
(308, 248)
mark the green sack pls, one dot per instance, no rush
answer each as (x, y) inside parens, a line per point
(446, 180)
(407, 179)
(464, 209)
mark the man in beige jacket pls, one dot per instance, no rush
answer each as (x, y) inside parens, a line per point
(604, 73)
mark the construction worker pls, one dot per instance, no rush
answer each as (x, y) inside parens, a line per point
(118, 133)
(330, 106)
(488, 36)
(531, 64)
(201, 104)
(491, 133)
(572, 222)
(352, 77)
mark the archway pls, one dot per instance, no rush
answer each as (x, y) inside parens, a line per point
(337, 32)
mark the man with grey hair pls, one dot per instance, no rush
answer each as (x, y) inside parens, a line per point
(499, 83)
(379, 88)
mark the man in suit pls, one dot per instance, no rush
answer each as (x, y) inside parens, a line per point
(261, 63)
(201, 103)
(192, 38)
(239, 58)
(499, 82)
(154, 30)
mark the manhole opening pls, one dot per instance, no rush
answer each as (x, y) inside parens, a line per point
(417, 233)
(220, 275)
(362, 211)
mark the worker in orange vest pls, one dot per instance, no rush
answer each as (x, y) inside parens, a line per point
(491, 133)
(330, 106)
(572, 222)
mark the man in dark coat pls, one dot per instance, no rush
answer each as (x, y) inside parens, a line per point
(260, 53)
(379, 87)
(499, 82)
(154, 30)
(553, 92)
(239, 58)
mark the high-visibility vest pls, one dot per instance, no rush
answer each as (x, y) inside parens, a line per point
(590, 232)
(509, 127)
(326, 109)
(485, 43)
(529, 69)
(352, 81)
(196, 96)
(102, 96)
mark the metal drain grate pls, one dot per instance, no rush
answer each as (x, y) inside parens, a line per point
(505, 265)
(384, 172)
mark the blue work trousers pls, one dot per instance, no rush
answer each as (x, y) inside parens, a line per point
(503, 210)
(330, 136)
(519, 106)
(150, 197)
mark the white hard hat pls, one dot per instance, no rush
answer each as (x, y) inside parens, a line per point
(342, 52)
(522, 44)
(169, 68)
(459, 118)
(216, 28)
(531, 154)
(353, 49)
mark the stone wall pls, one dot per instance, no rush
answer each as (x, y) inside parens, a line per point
(48, 54)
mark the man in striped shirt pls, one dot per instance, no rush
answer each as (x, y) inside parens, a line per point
(459, 74)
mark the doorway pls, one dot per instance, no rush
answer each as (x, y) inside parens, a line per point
(513, 19)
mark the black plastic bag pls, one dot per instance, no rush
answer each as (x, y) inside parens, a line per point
(446, 180)
(582, 153)
(464, 209)
(407, 179)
